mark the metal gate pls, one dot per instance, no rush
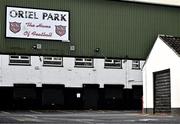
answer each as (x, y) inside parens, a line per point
(162, 97)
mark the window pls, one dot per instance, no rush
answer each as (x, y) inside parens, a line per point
(52, 61)
(135, 64)
(84, 62)
(19, 60)
(112, 63)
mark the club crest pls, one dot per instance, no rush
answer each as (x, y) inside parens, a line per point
(15, 27)
(60, 30)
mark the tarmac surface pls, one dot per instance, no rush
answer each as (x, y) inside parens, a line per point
(84, 117)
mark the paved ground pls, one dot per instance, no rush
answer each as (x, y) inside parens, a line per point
(85, 117)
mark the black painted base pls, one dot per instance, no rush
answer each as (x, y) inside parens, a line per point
(174, 111)
(148, 111)
(112, 97)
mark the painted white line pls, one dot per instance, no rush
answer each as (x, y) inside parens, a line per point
(129, 120)
(31, 116)
(148, 119)
(25, 119)
(87, 121)
(36, 112)
(4, 112)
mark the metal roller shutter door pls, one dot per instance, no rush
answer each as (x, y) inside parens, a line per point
(162, 97)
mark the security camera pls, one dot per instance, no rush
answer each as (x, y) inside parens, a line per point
(97, 50)
(34, 47)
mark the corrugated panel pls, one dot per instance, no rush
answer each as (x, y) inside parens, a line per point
(119, 29)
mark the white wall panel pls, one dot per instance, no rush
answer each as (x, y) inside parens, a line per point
(68, 74)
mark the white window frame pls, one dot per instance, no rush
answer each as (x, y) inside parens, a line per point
(53, 61)
(113, 63)
(18, 60)
(136, 64)
(84, 62)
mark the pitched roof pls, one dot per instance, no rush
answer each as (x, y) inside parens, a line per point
(172, 42)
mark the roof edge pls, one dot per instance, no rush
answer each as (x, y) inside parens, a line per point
(168, 44)
(154, 3)
(158, 37)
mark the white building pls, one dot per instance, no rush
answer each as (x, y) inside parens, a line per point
(40, 72)
(161, 76)
(72, 72)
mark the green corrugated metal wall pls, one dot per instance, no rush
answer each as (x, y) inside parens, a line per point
(119, 29)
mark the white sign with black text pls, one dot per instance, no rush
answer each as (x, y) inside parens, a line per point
(37, 24)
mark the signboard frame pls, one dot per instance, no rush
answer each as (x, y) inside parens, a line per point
(61, 17)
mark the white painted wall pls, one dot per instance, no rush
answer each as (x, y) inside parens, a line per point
(161, 57)
(68, 74)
